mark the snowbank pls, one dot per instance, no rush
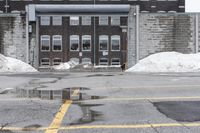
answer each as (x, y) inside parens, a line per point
(66, 65)
(168, 62)
(8, 64)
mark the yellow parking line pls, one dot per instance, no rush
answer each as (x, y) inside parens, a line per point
(55, 125)
(135, 126)
(131, 126)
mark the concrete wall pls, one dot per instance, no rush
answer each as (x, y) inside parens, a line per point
(160, 32)
(12, 36)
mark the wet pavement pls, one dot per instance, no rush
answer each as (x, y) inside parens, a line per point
(104, 102)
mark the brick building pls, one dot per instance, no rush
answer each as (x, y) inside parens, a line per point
(85, 31)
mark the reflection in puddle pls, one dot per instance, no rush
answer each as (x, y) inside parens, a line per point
(88, 114)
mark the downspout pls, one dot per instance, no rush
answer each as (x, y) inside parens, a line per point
(27, 35)
(137, 33)
(94, 38)
(197, 34)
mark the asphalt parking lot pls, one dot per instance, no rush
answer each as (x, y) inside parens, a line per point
(100, 103)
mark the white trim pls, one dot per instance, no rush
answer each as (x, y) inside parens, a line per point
(74, 37)
(53, 38)
(45, 39)
(116, 37)
(86, 37)
(103, 37)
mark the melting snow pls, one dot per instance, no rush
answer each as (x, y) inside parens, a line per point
(168, 62)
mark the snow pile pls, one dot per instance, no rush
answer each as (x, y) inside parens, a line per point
(8, 64)
(66, 65)
(168, 62)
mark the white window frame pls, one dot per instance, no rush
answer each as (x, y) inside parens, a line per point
(56, 63)
(103, 20)
(115, 20)
(42, 64)
(86, 20)
(55, 38)
(103, 64)
(74, 37)
(74, 20)
(45, 20)
(115, 64)
(86, 61)
(57, 20)
(85, 37)
(103, 37)
(44, 37)
(115, 37)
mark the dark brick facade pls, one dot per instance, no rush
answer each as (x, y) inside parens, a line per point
(65, 30)
(148, 5)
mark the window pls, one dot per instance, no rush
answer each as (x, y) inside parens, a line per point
(103, 61)
(86, 61)
(57, 20)
(57, 43)
(115, 20)
(45, 43)
(45, 62)
(44, 20)
(74, 42)
(115, 43)
(86, 20)
(74, 20)
(103, 20)
(86, 43)
(115, 61)
(56, 61)
(103, 43)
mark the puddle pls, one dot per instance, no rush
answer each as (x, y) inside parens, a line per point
(5, 131)
(99, 75)
(89, 115)
(64, 94)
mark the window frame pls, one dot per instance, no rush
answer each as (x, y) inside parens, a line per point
(53, 39)
(86, 37)
(72, 22)
(115, 20)
(115, 64)
(54, 63)
(41, 64)
(87, 20)
(115, 37)
(103, 20)
(106, 64)
(41, 44)
(100, 38)
(56, 20)
(42, 20)
(74, 37)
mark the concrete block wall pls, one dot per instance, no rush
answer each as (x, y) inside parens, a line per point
(184, 37)
(13, 36)
(160, 32)
(156, 33)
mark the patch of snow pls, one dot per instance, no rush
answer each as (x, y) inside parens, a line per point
(8, 64)
(66, 65)
(168, 62)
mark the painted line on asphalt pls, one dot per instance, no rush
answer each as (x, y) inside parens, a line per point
(138, 126)
(142, 98)
(55, 125)
(135, 126)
